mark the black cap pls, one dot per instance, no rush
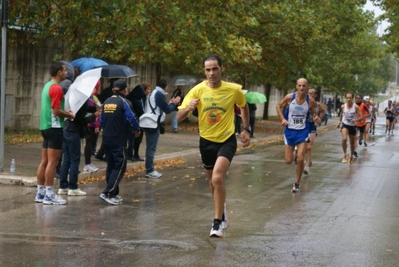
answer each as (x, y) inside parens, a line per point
(121, 84)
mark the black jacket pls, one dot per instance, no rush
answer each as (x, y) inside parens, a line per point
(137, 97)
(117, 120)
(81, 119)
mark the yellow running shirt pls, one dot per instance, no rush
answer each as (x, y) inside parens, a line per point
(216, 109)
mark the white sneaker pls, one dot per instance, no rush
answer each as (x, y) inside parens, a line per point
(112, 200)
(76, 192)
(53, 199)
(295, 188)
(154, 174)
(216, 230)
(90, 168)
(63, 191)
(306, 170)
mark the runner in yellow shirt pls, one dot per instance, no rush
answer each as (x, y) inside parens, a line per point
(215, 101)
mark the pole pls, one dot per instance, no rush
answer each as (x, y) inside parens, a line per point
(4, 18)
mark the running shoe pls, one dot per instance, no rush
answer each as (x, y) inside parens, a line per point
(365, 143)
(360, 142)
(154, 175)
(225, 220)
(39, 198)
(76, 192)
(102, 196)
(344, 160)
(118, 197)
(295, 188)
(53, 199)
(216, 230)
(110, 200)
(306, 170)
(90, 168)
(355, 154)
(350, 160)
(310, 164)
(63, 191)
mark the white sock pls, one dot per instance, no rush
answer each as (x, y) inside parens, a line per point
(49, 190)
(40, 189)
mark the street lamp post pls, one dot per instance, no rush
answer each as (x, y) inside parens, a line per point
(4, 19)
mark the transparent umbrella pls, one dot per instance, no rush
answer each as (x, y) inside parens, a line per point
(81, 89)
(183, 80)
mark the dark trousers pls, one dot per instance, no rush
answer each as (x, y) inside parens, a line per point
(90, 143)
(130, 141)
(116, 167)
(137, 142)
(238, 124)
(252, 124)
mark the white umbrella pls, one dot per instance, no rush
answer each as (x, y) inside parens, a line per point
(81, 89)
(183, 80)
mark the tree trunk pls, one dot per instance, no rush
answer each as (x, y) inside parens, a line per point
(318, 92)
(159, 71)
(268, 89)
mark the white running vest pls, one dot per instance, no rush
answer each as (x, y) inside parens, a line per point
(371, 109)
(297, 114)
(348, 115)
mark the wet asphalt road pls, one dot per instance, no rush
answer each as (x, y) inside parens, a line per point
(345, 215)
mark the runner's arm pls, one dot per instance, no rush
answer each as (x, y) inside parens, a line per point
(282, 104)
(313, 104)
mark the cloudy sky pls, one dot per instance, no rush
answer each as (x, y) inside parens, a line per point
(377, 12)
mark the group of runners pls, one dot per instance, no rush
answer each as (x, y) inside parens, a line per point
(303, 113)
(391, 112)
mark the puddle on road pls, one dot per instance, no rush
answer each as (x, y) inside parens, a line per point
(157, 245)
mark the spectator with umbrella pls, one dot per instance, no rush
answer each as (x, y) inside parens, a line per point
(88, 63)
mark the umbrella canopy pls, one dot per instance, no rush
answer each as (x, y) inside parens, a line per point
(70, 70)
(81, 89)
(116, 71)
(88, 63)
(183, 80)
(255, 98)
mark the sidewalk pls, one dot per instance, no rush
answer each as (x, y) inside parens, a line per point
(170, 145)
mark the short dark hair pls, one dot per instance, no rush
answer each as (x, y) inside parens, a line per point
(359, 95)
(55, 67)
(213, 57)
(349, 94)
(162, 83)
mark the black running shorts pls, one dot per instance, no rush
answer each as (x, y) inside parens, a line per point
(52, 138)
(210, 151)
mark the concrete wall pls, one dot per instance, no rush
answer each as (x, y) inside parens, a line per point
(27, 72)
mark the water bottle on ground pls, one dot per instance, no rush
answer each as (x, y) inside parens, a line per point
(12, 167)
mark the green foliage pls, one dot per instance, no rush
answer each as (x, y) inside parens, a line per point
(330, 42)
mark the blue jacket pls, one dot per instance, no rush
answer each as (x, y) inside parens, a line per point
(117, 120)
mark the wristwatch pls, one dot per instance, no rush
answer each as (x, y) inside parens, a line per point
(248, 129)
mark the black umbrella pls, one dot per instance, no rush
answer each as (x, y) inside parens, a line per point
(116, 71)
